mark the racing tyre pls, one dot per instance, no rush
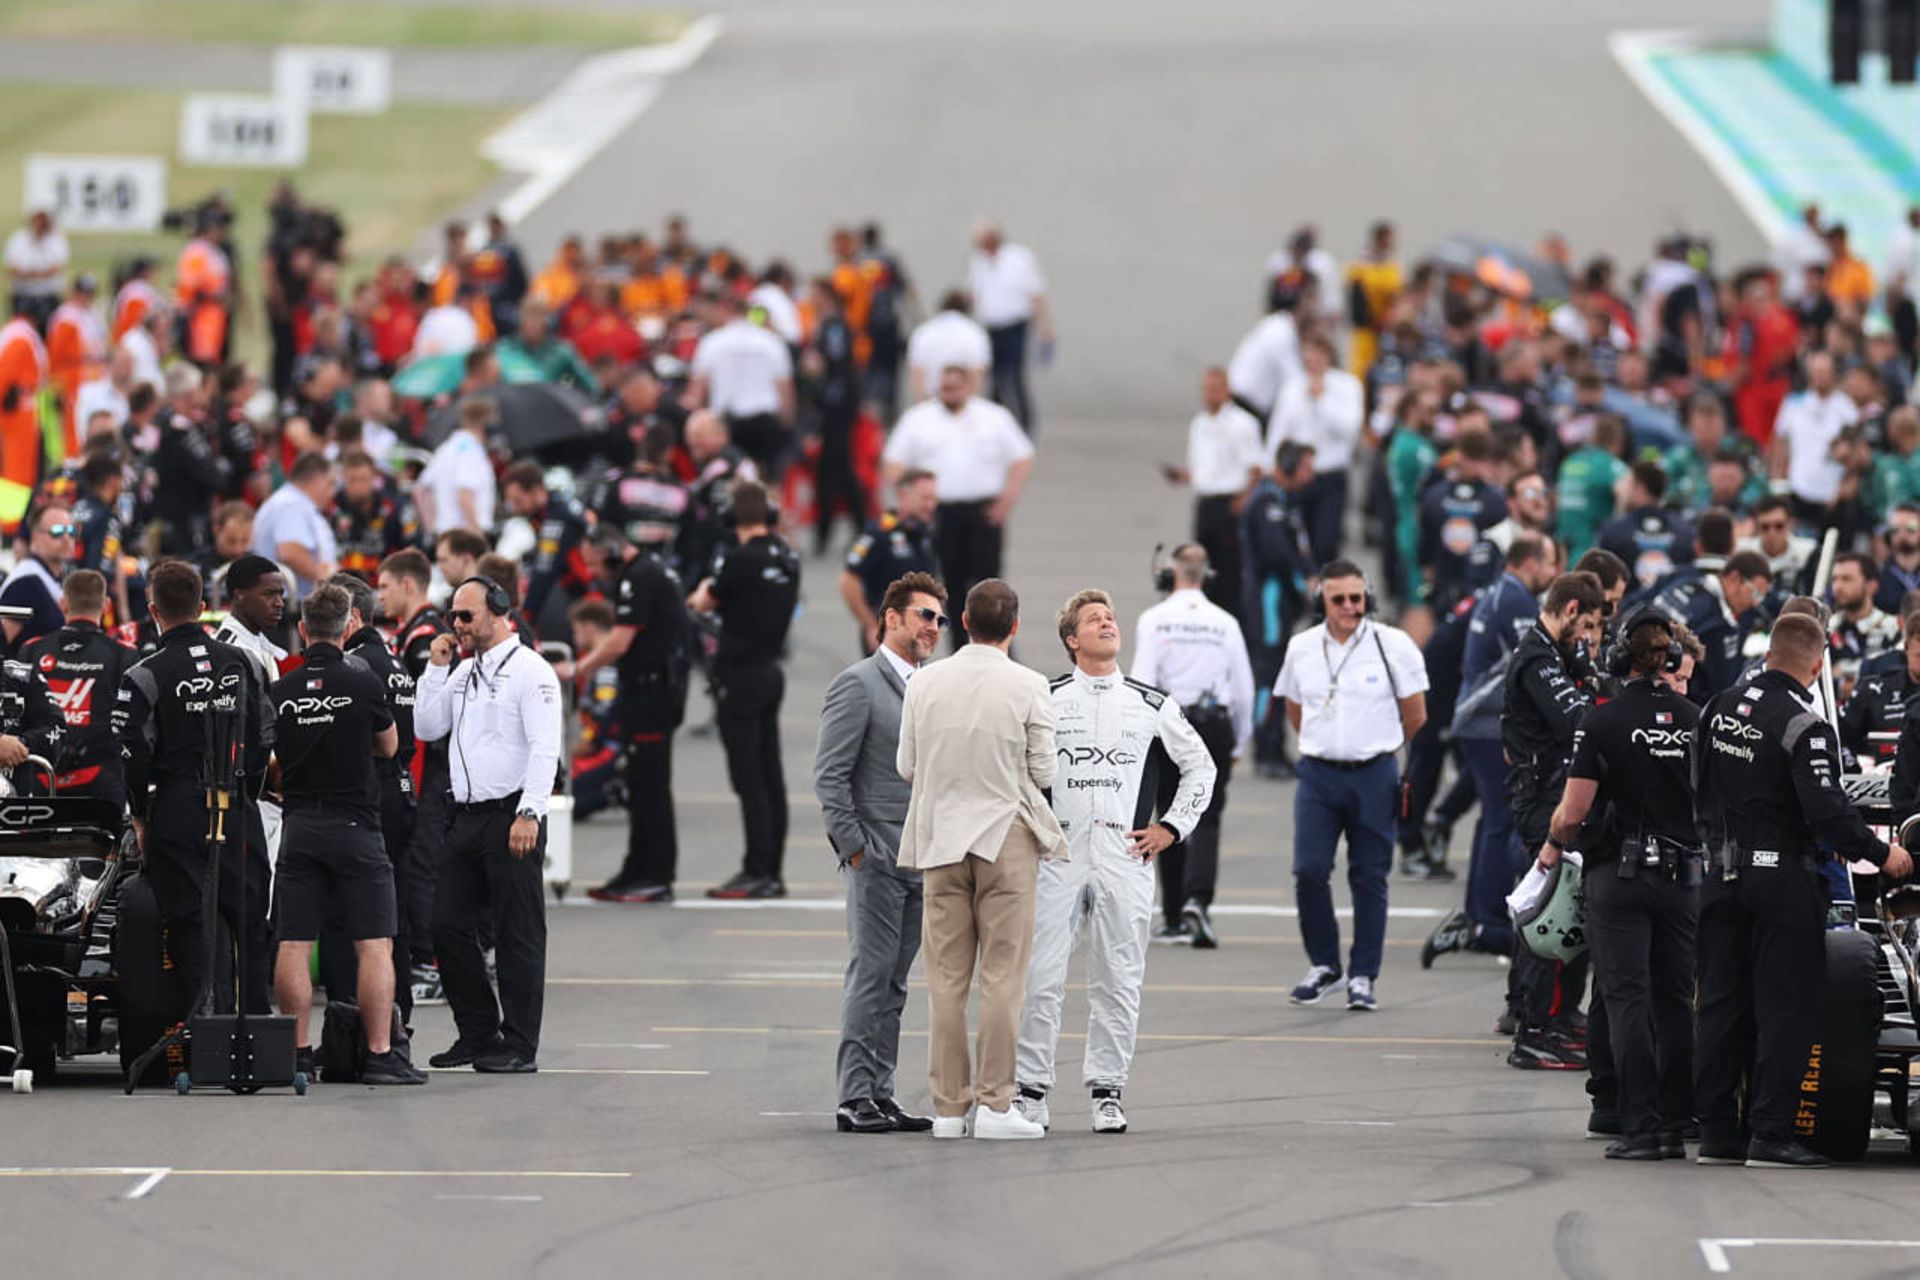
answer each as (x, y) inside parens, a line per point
(139, 960)
(1835, 1116)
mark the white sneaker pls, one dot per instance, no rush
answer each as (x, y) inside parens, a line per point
(949, 1126)
(1033, 1105)
(1008, 1124)
(1107, 1115)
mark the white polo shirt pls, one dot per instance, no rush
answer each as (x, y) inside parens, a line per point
(1330, 423)
(1221, 449)
(1349, 707)
(1808, 422)
(945, 340)
(1265, 361)
(744, 366)
(969, 452)
(1005, 285)
(1193, 649)
(460, 464)
(24, 252)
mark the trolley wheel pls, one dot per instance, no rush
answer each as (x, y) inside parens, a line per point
(182, 1083)
(560, 888)
(300, 1083)
(22, 1081)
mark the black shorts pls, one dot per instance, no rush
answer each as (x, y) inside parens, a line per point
(328, 862)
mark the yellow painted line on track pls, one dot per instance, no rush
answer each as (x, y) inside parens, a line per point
(1162, 1037)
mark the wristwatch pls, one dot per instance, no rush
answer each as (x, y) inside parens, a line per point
(527, 811)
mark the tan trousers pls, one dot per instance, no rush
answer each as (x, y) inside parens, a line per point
(975, 908)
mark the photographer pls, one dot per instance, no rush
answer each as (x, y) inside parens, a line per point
(332, 720)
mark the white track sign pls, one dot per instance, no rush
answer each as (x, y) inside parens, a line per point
(98, 193)
(334, 79)
(243, 130)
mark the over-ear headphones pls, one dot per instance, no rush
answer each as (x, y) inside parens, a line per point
(1320, 599)
(1163, 565)
(1618, 659)
(499, 604)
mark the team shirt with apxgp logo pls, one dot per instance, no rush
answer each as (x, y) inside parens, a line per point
(326, 714)
(1638, 747)
(1104, 727)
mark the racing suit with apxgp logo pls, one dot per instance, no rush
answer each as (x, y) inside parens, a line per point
(1103, 726)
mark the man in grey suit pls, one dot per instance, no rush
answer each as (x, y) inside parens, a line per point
(865, 803)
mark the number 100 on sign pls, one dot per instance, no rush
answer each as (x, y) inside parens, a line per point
(98, 193)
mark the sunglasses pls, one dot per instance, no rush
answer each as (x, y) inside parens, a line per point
(462, 616)
(930, 615)
(60, 531)
(1353, 599)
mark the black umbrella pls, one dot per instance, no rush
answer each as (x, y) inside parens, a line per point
(1515, 273)
(533, 416)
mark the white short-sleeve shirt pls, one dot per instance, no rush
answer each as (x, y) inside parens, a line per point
(969, 452)
(461, 463)
(1005, 285)
(48, 252)
(943, 341)
(744, 366)
(1221, 449)
(1349, 705)
(1808, 422)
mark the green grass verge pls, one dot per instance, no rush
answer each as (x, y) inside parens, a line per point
(346, 22)
(390, 176)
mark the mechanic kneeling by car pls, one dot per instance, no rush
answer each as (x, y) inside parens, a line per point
(332, 720)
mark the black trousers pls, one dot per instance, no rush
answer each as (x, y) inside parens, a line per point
(1761, 971)
(1642, 934)
(176, 867)
(1541, 991)
(1008, 343)
(1190, 869)
(339, 963)
(1324, 508)
(969, 547)
(426, 849)
(834, 480)
(1426, 762)
(765, 439)
(653, 844)
(1217, 529)
(481, 883)
(747, 712)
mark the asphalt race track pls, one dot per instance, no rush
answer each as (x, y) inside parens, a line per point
(680, 1124)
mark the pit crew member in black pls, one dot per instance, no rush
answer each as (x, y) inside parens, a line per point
(405, 577)
(1545, 699)
(1769, 805)
(332, 720)
(160, 720)
(1628, 808)
(365, 644)
(80, 667)
(753, 590)
(650, 647)
(899, 542)
(559, 526)
(30, 725)
(1873, 725)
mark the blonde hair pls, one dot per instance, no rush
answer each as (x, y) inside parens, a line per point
(1069, 619)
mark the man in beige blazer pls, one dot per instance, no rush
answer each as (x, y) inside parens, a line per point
(976, 742)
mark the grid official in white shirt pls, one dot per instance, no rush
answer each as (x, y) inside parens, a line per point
(1194, 650)
(1324, 409)
(1355, 691)
(1010, 300)
(980, 461)
(1803, 438)
(1225, 460)
(501, 711)
(945, 340)
(744, 373)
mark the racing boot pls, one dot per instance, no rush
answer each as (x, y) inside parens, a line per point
(1031, 1101)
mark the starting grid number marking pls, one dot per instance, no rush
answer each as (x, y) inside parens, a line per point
(1713, 1250)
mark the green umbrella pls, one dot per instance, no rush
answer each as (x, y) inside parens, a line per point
(432, 376)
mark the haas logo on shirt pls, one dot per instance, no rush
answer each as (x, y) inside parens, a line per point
(74, 698)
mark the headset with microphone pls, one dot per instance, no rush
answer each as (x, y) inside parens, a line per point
(1162, 565)
(1320, 596)
(1618, 659)
(499, 603)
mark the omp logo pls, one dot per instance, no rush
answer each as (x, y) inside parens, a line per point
(1098, 755)
(1724, 723)
(311, 706)
(24, 815)
(1662, 737)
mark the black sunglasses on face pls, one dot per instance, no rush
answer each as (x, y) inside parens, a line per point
(1336, 600)
(460, 615)
(930, 615)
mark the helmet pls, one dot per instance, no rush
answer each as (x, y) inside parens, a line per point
(1554, 924)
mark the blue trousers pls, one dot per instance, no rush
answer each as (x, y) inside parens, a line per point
(1359, 804)
(1490, 878)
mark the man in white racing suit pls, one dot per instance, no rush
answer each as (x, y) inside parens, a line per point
(1103, 796)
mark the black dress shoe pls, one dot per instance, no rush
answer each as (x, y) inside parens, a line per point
(1673, 1145)
(1764, 1153)
(861, 1116)
(462, 1053)
(502, 1061)
(902, 1122)
(1722, 1151)
(741, 886)
(617, 892)
(1635, 1149)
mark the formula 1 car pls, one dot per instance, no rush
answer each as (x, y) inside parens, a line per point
(80, 937)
